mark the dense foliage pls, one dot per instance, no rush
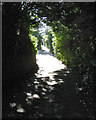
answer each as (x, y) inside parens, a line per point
(75, 46)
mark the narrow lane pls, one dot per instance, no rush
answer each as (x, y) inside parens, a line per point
(50, 93)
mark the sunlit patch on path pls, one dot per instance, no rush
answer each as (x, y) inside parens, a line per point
(50, 93)
(47, 64)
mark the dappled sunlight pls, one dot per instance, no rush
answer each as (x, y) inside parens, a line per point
(28, 94)
(45, 93)
(36, 96)
(40, 88)
(52, 83)
(20, 109)
(12, 105)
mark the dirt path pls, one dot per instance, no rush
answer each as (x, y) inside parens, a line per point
(50, 93)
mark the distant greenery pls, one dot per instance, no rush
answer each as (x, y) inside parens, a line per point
(47, 39)
(36, 37)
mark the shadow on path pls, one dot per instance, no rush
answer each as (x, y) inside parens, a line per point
(50, 95)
